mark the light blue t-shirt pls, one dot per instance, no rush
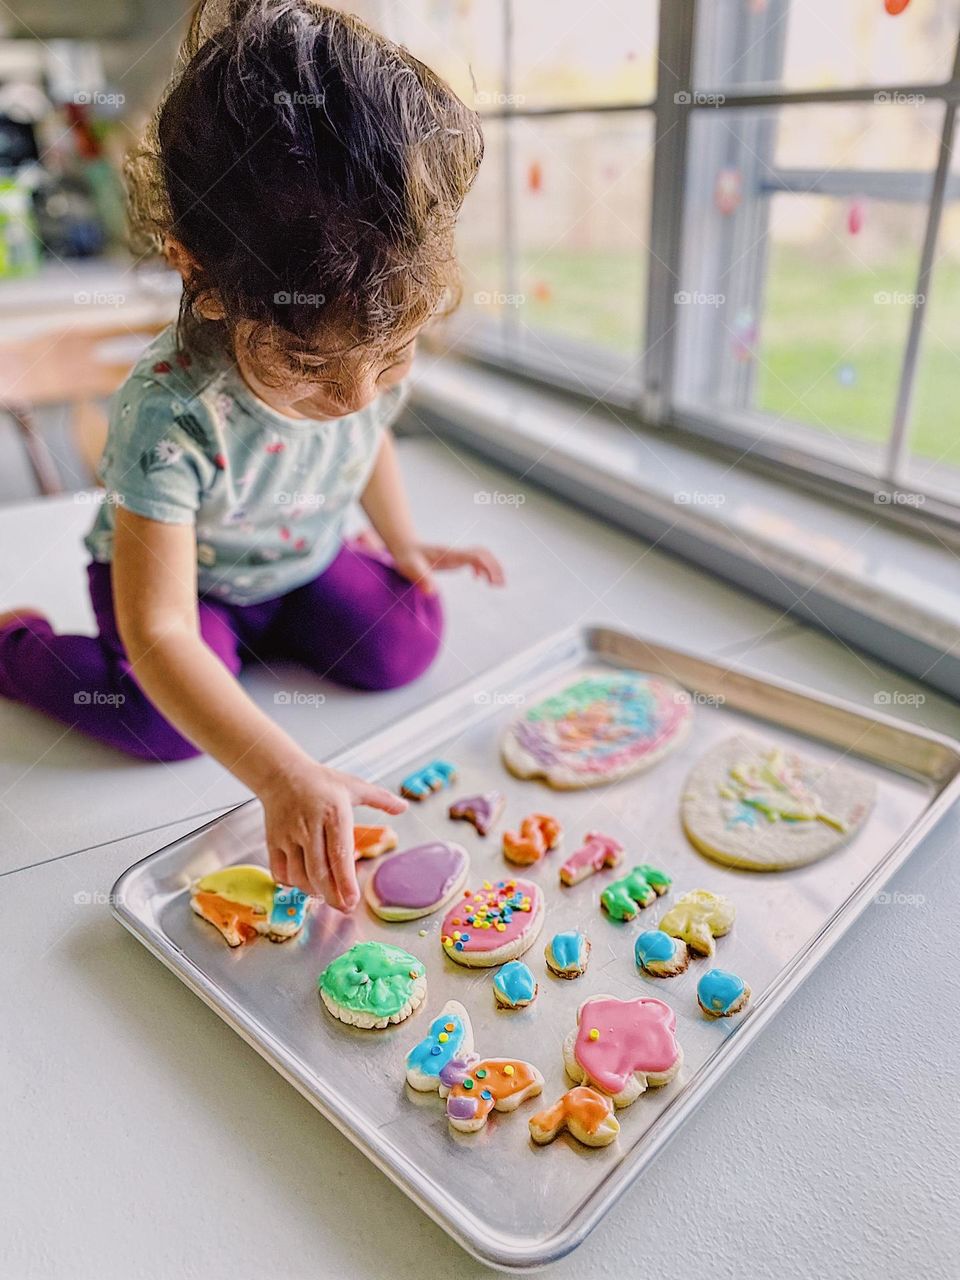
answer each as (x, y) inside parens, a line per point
(189, 443)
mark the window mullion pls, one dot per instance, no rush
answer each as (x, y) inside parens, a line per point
(899, 433)
(677, 27)
(509, 323)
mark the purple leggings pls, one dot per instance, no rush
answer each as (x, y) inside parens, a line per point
(359, 623)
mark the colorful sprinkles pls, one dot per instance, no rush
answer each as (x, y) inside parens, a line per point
(492, 907)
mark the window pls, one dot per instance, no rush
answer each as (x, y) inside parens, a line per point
(736, 217)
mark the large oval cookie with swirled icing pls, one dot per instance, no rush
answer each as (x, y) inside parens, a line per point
(751, 804)
(598, 729)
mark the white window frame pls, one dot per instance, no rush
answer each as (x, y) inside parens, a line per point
(650, 399)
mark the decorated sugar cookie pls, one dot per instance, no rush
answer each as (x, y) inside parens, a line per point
(623, 1047)
(373, 984)
(623, 899)
(595, 854)
(568, 954)
(371, 842)
(539, 834)
(431, 777)
(750, 804)
(599, 729)
(583, 1112)
(495, 923)
(245, 901)
(482, 810)
(699, 917)
(450, 1036)
(417, 881)
(660, 955)
(514, 986)
(721, 994)
(473, 1090)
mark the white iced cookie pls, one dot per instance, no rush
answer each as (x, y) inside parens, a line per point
(606, 725)
(750, 804)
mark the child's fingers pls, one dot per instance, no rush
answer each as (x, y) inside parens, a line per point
(378, 798)
(313, 857)
(297, 874)
(489, 567)
(278, 866)
(338, 835)
(483, 563)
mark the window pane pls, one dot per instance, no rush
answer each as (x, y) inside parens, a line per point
(934, 434)
(823, 44)
(796, 306)
(462, 40)
(566, 55)
(581, 188)
(480, 236)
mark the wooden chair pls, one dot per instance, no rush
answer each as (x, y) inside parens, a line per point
(73, 367)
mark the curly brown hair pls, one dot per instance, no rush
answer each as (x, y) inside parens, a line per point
(313, 171)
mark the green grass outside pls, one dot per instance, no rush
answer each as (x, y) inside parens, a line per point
(828, 352)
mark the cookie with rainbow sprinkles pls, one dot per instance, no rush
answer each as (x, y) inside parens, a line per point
(601, 728)
(493, 924)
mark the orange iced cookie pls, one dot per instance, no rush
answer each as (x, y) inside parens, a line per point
(473, 1090)
(370, 842)
(585, 1114)
(539, 834)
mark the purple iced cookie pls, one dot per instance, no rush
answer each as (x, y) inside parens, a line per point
(417, 881)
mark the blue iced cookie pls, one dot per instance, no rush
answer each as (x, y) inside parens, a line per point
(450, 1036)
(721, 994)
(659, 954)
(514, 985)
(568, 954)
(432, 777)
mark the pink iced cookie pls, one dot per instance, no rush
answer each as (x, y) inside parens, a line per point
(597, 852)
(623, 1047)
(493, 924)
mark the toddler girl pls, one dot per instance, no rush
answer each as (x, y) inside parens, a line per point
(304, 176)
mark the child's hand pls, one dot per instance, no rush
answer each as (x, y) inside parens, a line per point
(308, 813)
(416, 563)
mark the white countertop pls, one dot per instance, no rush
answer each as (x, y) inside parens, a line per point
(144, 1139)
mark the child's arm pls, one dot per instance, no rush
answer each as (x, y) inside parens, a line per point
(307, 807)
(385, 502)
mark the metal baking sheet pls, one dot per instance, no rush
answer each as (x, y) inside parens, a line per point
(509, 1203)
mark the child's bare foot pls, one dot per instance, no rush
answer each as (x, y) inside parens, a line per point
(21, 615)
